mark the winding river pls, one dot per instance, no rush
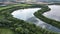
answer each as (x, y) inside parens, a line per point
(28, 15)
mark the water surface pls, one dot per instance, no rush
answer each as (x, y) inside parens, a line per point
(54, 13)
(28, 15)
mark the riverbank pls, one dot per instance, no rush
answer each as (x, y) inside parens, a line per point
(45, 19)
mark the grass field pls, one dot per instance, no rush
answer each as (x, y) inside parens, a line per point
(6, 31)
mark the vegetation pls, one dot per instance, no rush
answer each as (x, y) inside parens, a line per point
(6, 31)
(17, 25)
(39, 15)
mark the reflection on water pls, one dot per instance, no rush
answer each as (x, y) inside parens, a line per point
(24, 14)
(54, 13)
(32, 19)
(27, 15)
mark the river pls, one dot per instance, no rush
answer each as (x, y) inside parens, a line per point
(28, 15)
